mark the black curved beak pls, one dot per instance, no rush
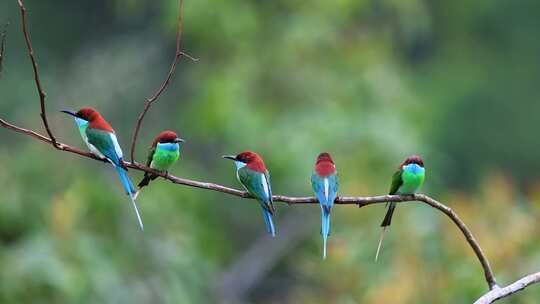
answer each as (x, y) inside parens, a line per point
(231, 157)
(179, 140)
(69, 113)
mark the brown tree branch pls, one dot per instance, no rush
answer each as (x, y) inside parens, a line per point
(342, 200)
(37, 80)
(488, 273)
(178, 54)
(503, 292)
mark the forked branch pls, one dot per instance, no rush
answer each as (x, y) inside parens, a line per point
(178, 54)
(35, 67)
(503, 292)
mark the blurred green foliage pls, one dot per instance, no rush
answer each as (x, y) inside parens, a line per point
(369, 81)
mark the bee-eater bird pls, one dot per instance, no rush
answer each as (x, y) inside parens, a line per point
(406, 180)
(324, 181)
(252, 174)
(164, 152)
(101, 140)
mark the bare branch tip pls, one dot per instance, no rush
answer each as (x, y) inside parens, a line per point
(163, 86)
(190, 57)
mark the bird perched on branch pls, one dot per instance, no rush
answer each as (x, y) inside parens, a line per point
(164, 152)
(324, 182)
(101, 140)
(252, 174)
(406, 180)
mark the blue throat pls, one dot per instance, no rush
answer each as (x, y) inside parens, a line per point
(239, 164)
(413, 168)
(169, 146)
(80, 122)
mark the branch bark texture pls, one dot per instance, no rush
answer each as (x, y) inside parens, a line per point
(503, 292)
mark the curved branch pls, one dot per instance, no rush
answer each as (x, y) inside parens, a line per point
(488, 273)
(345, 200)
(503, 292)
(35, 67)
(154, 98)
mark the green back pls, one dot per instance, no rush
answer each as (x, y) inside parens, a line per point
(255, 185)
(99, 139)
(107, 144)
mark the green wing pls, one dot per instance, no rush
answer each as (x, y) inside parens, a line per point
(397, 181)
(257, 184)
(150, 156)
(107, 144)
(148, 176)
(99, 139)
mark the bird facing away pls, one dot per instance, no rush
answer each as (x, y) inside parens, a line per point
(252, 174)
(101, 140)
(406, 180)
(325, 184)
(164, 153)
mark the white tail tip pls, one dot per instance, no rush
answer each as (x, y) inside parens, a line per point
(137, 212)
(324, 249)
(380, 243)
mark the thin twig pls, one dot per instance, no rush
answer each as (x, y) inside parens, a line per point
(45, 139)
(178, 54)
(37, 80)
(344, 200)
(3, 35)
(503, 292)
(190, 57)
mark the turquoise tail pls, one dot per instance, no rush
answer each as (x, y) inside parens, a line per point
(269, 223)
(325, 227)
(124, 179)
(130, 190)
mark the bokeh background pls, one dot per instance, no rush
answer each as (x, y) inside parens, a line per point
(369, 81)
